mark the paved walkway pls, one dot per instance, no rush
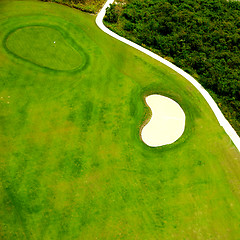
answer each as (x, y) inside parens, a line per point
(221, 119)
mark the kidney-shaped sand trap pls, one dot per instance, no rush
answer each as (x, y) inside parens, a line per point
(166, 124)
(46, 47)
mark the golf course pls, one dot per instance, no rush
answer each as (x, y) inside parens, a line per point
(72, 161)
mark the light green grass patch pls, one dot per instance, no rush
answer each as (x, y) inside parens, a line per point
(44, 46)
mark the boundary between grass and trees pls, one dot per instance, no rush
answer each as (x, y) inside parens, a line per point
(219, 115)
(89, 6)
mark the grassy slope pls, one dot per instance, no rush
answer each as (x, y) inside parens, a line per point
(72, 163)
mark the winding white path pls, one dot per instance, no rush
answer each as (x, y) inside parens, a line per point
(221, 119)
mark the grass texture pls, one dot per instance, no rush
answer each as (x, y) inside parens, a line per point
(72, 163)
(60, 55)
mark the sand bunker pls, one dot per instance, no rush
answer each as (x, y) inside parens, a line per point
(166, 124)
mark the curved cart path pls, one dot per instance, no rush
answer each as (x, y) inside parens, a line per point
(221, 119)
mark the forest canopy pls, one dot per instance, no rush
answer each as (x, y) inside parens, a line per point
(200, 36)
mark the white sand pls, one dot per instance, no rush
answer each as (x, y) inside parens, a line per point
(167, 122)
(220, 117)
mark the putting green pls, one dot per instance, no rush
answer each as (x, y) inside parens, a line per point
(45, 47)
(72, 162)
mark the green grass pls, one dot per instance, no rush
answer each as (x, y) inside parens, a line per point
(72, 164)
(60, 54)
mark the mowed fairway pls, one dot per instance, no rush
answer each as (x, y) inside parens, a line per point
(72, 163)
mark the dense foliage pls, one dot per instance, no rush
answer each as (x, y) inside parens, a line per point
(202, 37)
(91, 6)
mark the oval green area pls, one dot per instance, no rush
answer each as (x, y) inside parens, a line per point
(46, 47)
